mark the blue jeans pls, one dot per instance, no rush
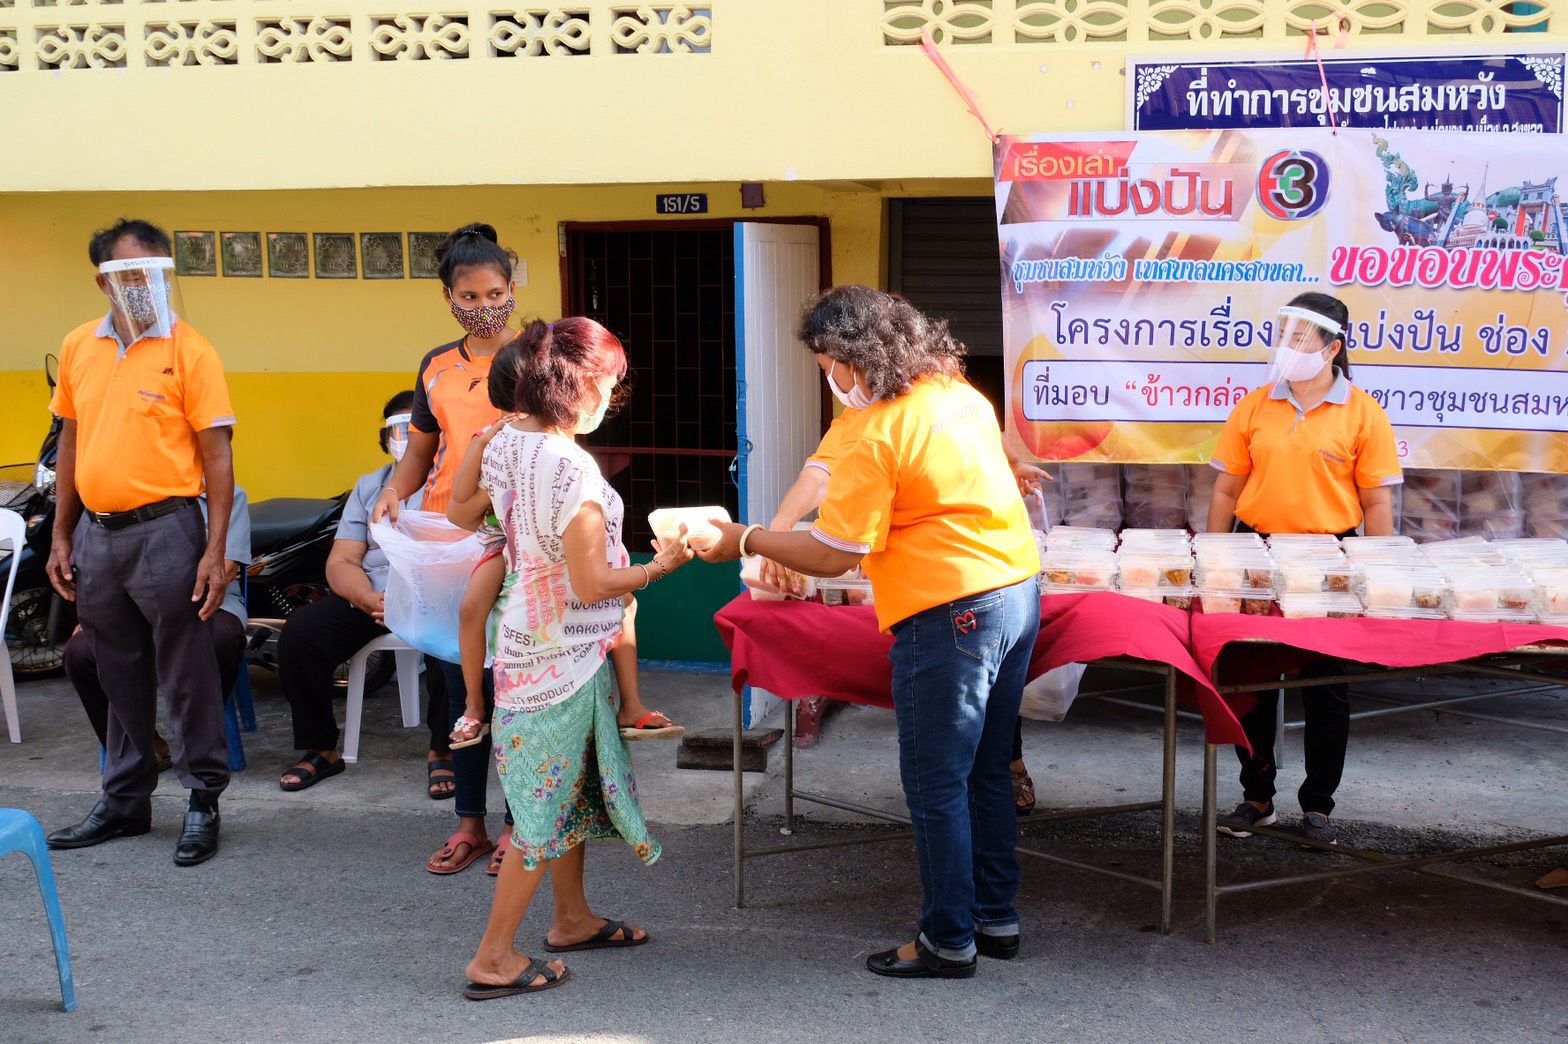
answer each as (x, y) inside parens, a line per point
(471, 765)
(958, 678)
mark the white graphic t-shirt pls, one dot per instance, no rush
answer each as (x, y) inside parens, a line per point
(546, 643)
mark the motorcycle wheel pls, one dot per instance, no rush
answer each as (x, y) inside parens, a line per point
(379, 667)
(33, 655)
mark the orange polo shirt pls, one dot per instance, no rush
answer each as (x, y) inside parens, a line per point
(137, 412)
(839, 434)
(1305, 468)
(924, 491)
(452, 400)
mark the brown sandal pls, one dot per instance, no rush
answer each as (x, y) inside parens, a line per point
(1023, 791)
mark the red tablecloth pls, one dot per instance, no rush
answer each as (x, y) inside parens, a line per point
(1386, 643)
(801, 649)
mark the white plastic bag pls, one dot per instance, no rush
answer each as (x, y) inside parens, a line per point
(431, 562)
(1048, 696)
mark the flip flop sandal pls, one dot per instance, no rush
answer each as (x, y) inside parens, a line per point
(603, 939)
(641, 730)
(1023, 792)
(477, 846)
(463, 724)
(312, 769)
(479, 991)
(502, 847)
(431, 782)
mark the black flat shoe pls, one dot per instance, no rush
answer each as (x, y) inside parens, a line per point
(926, 965)
(199, 838)
(997, 947)
(100, 825)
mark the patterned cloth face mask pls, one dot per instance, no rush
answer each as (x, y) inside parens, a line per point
(486, 320)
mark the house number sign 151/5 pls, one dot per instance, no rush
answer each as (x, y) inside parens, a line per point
(681, 203)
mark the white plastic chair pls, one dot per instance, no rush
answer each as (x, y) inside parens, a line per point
(13, 531)
(407, 658)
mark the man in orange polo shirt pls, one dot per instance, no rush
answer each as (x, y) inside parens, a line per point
(147, 427)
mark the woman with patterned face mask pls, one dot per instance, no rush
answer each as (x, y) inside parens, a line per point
(1308, 452)
(451, 406)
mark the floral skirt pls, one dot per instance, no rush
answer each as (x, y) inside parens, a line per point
(567, 774)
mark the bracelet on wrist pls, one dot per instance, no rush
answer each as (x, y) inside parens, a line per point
(647, 578)
(746, 533)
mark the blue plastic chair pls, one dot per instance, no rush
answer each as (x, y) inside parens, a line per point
(20, 832)
(235, 705)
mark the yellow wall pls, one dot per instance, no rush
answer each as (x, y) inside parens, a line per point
(312, 360)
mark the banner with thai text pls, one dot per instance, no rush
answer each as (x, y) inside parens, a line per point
(1519, 92)
(1143, 273)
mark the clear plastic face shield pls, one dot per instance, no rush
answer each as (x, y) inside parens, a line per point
(1302, 341)
(395, 431)
(144, 295)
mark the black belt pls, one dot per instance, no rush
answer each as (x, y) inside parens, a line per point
(1242, 527)
(145, 513)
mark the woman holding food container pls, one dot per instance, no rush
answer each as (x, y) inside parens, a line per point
(1307, 452)
(922, 495)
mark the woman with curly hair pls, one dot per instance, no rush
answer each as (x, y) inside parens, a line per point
(923, 493)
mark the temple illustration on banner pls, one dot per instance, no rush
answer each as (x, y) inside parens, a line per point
(1526, 216)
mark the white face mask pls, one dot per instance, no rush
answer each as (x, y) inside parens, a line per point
(589, 422)
(397, 447)
(856, 398)
(397, 434)
(1292, 365)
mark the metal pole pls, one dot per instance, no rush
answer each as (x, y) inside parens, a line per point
(1168, 804)
(1210, 843)
(1279, 730)
(740, 810)
(789, 766)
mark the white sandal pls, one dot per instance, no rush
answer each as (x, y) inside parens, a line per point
(463, 724)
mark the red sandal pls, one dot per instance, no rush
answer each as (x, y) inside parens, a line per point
(477, 846)
(642, 730)
(502, 847)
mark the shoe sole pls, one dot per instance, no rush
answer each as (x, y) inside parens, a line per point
(195, 862)
(1267, 821)
(127, 832)
(966, 971)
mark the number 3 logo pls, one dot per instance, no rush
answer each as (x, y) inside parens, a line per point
(1404, 449)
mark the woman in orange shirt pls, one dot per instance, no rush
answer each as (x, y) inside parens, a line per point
(923, 495)
(1306, 453)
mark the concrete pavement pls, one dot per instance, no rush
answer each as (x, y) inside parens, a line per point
(317, 922)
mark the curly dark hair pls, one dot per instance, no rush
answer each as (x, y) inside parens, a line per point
(890, 341)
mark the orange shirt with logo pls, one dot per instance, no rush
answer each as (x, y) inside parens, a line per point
(137, 413)
(452, 400)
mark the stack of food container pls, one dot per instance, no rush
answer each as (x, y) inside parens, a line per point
(1545, 500)
(1077, 559)
(1491, 504)
(1395, 580)
(1235, 573)
(1091, 495)
(1200, 492)
(1430, 504)
(851, 588)
(1313, 576)
(1154, 495)
(1156, 565)
(1545, 561)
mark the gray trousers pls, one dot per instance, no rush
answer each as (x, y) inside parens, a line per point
(133, 598)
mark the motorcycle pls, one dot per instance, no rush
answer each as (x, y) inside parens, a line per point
(290, 539)
(39, 621)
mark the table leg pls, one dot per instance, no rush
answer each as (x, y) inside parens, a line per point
(740, 808)
(1279, 729)
(1168, 805)
(789, 766)
(1210, 842)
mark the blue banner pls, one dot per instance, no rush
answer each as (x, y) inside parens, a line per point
(1517, 93)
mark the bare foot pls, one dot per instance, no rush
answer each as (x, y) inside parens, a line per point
(571, 933)
(907, 952)
(505, 970)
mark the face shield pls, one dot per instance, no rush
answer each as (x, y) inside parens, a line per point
(395, 432)
(1301, 336)
(144, 295)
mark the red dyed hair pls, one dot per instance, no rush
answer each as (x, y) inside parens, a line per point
(559, 362)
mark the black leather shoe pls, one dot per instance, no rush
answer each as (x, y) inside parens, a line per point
(926, 965)
(998, 947)
(100, 825)
(198, 839)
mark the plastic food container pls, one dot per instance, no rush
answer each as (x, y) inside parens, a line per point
(1552, 619)
(1553, 586)
(1078, 569)
(1408, 612)
(1154, 538)
(1152, 568)
(1293, 543)
(1492, 615)
(1309, 576)
(1248, 569)
(666, 522)
(1176, 598)
(1202, 541)
(1488, 590)
(1404, 587)
(1336, 605)
(1246, 602)
(845, 592)
(1065, 537)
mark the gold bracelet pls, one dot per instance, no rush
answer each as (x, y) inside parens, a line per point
(746, 533)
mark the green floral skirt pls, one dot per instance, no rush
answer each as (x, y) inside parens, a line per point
(567, 774)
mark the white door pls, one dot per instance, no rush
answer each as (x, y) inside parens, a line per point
(778, 394)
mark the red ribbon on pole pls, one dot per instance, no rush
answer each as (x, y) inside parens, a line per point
(928, 45)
